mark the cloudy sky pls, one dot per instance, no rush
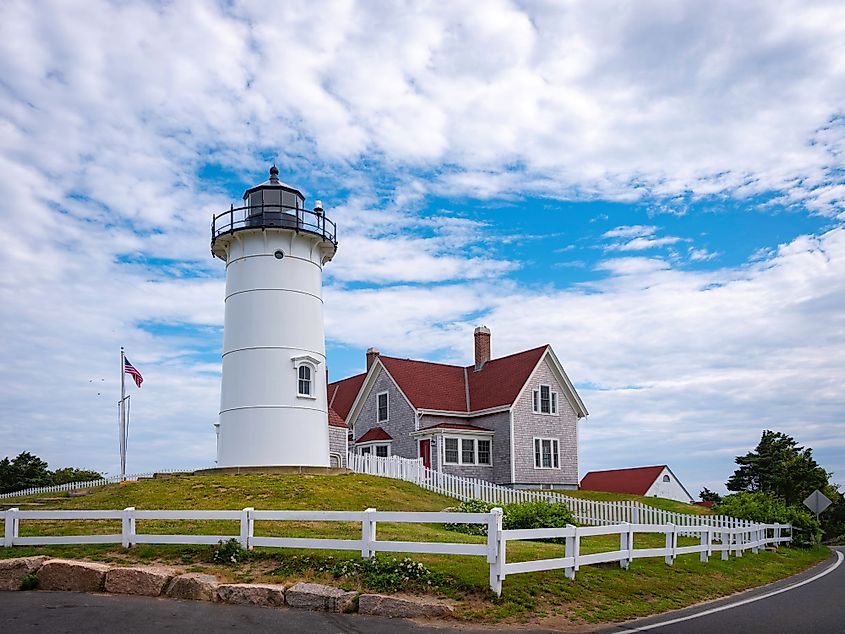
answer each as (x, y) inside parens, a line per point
(657, 189)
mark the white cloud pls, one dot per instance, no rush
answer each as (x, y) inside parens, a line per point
(630, 231)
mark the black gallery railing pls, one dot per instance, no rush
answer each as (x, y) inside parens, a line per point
(273, 216)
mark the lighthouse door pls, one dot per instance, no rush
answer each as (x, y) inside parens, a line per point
(425, 452)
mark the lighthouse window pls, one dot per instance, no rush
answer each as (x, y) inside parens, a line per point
(304, 380)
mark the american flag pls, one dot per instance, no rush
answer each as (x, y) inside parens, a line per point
(128, 368)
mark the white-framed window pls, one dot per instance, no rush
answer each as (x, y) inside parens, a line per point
(450, 449)
(382, 450)
(484, 454)
(467, 451)
(544, 400)
(305, 369)
(546, 453)
(304, 384)
(667, 478)
(383, 403)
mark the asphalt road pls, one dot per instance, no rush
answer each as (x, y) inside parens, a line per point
(804, 603)
(817, 606)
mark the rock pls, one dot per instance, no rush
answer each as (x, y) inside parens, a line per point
(148, 581)
(404, 607)
(194, 586)
(12, 571)
(266, 594)
(314, 596)
(73, 576)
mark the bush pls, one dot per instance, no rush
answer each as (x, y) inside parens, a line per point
(29, 582)
(768, 508)
(540, 514)
(381, 574)
(228, 553)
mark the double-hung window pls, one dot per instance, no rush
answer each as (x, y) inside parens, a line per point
(304, 380)
(546, 453)
(483, 452)
(381, 451)
(467, 451)
(383, 407)
(451, 449)
(544, 400)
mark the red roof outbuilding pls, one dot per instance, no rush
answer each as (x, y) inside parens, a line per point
(376, 433)
(635, 481)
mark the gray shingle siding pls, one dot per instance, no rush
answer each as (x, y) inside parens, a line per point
(400, 413)
(528, 425)
(499, 471)
(337, 442)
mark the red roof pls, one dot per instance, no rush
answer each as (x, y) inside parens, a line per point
(456, 426)
(342, 393)
(376, 433)
(335, 419)
(635, 481)
(439, 386)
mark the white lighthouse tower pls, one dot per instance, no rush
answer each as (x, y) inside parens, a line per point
(273, 392)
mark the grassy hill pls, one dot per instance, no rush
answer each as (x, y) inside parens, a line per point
(600, 593)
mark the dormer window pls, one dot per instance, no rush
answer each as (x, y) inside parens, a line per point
(305, 368)
(544, 401)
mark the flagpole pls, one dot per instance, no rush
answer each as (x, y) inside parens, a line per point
(122, 415)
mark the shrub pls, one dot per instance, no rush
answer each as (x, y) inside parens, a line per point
(768, 508)
(228, 553)
(29, 582)
(539, 514)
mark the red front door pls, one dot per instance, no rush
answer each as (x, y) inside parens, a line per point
(425, 452)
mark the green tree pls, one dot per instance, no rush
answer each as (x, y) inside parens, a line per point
(707, 495)
(71, 474)
(778, 465)
(23, 472)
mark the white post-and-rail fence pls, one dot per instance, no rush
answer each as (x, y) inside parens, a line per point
(737, 540)
(584, 511)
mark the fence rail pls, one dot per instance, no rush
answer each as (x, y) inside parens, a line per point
(735, 540)
(584, 511)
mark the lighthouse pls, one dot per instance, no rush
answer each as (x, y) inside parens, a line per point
(273, 408)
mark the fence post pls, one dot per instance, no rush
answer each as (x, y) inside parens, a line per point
(247, 528)
(635, 513)
(368, 534)
(496, 550)
(670, 545)
(739, 540)
(11, 524)
(726, 543)
(127, 527)
(625, 544)
(705, 541)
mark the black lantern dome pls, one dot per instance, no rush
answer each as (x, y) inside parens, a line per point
(273, 205)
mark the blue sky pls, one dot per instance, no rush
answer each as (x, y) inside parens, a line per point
(655, 191)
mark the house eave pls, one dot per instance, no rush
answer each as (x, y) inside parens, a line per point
(456, 414)
(428, 431)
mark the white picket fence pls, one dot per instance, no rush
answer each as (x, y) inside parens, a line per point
(73, 486)
(584, 511)
(494, 550)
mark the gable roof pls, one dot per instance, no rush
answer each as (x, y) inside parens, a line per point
(341, 394)
(636, 481)
(335, 420)
(454, 388)
(376, 433)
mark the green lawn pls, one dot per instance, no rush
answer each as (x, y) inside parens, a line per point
(599, 594)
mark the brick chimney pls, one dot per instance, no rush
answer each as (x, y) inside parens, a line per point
(482, 346)
(372, 355)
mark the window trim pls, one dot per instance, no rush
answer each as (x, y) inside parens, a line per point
(537, 401)
(555, 442)
(371, 447)
(461, 439)
(386, 394)
(312, 364)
